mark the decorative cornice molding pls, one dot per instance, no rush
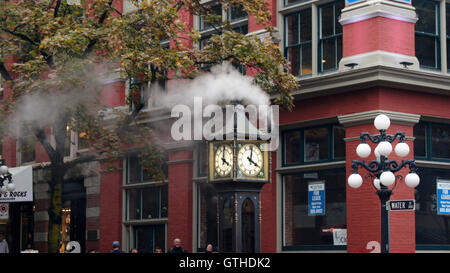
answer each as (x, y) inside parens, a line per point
(369, 116)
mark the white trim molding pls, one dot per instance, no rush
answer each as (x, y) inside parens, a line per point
(379, 58)
(369, 116)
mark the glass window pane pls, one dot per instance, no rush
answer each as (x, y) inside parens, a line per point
(328, 54)
(207, 216)
(292, 29)
(420, 139)
(203, 159)
(134, 170)
(426, 50)
(338, 141)
(237, 13)
(431, 228)
(448, 54)
(316, 144)
(337, 10)
(164, 202)
(292, 141)
(327, 21)
(134, 204)
(440, 135)
(305, 26)
(303, 229)
(294, 59)
(288, 2)
(306, 59)
(215, 10)
(447, 13)
(338, 51)
(160, 236)
(426, 12)
(150, 203)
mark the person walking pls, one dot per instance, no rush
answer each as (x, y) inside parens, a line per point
(209, 248)
(3, 244)
(177, 247)
(116, 246)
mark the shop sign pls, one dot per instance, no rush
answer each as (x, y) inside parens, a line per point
(316, 198)
(4, 211)
(22, 177)
(443, 196)
(339, 236)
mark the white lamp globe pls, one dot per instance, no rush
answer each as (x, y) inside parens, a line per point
(384, 148)
(412, 180)
(3, 169)
(382, 122)
(376, 183)
(401, 149)
(387, 178)
(10, 187)
(363, 150)
(355, 180)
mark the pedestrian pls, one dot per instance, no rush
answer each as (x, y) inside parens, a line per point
(177, 247)
(209, 248)
(92, 251)
(133, 250)
(3, 244)
(158, 249)
(116, 246)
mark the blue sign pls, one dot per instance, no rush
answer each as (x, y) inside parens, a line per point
(316, 198)
(350, 2)
(443, 196)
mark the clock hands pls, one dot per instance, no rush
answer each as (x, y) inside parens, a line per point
(223, 157)
(251, 156)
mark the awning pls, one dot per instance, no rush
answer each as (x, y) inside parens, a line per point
(22, 177)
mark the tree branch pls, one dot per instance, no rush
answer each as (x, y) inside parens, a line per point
(58, 4)
(21, 36)
(79, 160)
(40, 134)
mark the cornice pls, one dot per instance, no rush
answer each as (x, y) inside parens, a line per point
(344, 81)
(369, 116)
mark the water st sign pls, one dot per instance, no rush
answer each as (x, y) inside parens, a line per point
(401, 205)
(443, 196)
(316, 198)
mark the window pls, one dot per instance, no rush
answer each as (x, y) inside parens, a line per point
(298, 42)
(206, 24)
(432, 141)
(432, 226)
(137, 174)
(27, 145)
(148, 238)
(316, 144)
(207, 216)
(303, 230)
(427, 33)
(330, 36)
(147, 203)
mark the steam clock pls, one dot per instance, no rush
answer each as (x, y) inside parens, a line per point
(238, 169)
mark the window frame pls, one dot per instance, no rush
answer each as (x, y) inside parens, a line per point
(321, 39)
(283, 198)
(331, 145)
(140, 190)
(299, 44)
(436, 36)
(429, 143)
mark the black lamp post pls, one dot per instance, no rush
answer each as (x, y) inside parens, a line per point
(382, 171)
(5, 175)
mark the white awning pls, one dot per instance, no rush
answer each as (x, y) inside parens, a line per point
(22, 177)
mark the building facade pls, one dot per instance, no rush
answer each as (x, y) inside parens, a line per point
(354, 60)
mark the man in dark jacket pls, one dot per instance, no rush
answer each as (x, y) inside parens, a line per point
(177, 247)
(116, 246)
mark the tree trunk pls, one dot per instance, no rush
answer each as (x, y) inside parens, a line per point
(55, 213)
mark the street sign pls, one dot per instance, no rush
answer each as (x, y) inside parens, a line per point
(399, 205)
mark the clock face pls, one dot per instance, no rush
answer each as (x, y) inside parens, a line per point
(250, 159)
(223, 160)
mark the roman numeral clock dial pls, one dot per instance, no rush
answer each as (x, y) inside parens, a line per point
(250, 160)
(223, 160)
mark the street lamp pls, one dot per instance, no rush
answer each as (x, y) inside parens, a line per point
(382, 171)
(5, 175)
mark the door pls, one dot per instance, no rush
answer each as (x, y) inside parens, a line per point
(147, 238)
(248, 226)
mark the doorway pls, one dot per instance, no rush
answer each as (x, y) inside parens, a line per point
(146, 238)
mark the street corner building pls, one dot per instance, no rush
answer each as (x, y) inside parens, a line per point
(354, 60)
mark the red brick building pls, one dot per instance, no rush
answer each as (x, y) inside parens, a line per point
(354, 60)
